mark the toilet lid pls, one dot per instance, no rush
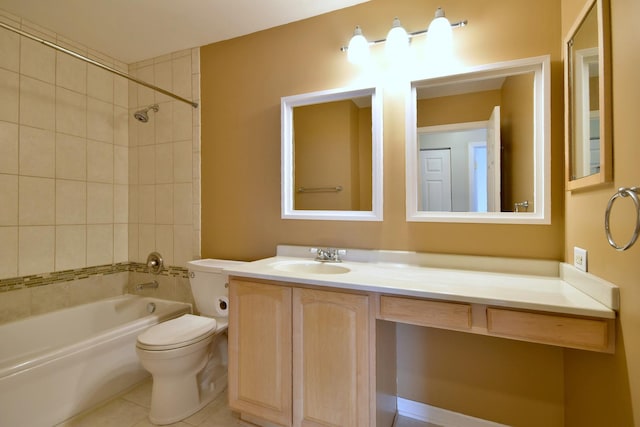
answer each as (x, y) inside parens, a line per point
(178, 332)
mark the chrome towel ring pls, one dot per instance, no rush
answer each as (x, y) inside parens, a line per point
(623, 192)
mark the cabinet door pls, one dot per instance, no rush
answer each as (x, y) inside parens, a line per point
(260, 350)
(331, 368)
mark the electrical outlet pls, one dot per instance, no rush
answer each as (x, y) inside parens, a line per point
(580, 258)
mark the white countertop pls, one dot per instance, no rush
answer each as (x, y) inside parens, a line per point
(531, 291)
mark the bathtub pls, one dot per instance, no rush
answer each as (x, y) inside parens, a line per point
(56, 365)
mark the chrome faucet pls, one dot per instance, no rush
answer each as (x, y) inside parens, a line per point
(328, 254)
(152, 285)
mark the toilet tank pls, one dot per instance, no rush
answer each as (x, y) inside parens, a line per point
(209, 283)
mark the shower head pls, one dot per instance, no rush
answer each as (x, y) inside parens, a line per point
(142, 116)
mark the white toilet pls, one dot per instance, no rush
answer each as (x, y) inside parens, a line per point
(187, 356)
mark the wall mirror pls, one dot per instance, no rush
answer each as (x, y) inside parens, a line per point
(588, 99)
(478, 145)
(332, 155)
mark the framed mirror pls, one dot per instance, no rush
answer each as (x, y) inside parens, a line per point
(588, 141)
(332, 155)
(478, 145)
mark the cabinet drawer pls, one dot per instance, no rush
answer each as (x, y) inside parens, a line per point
(565, 331)
(422, 312)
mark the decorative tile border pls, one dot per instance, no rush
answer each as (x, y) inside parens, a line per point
(15, 283)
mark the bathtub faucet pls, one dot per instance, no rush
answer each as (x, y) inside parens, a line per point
(152, 285)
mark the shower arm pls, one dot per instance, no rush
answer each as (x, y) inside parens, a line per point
(97, 64)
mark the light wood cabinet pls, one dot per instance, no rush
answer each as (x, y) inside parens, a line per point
(299, 356)
(330, 359)
(260, 350)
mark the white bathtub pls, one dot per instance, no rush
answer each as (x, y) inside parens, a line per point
(56, 365)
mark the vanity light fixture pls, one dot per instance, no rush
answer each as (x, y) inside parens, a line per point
(439, 40)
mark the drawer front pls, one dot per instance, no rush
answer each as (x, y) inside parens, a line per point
(582, 333)
(448, 315)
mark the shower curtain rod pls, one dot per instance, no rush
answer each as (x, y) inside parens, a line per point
(97, 64)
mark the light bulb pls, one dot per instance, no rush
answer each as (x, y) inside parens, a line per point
(358, 50)
(440, 37)
(397, 41)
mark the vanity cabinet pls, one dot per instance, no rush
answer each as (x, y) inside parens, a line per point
(300, 356)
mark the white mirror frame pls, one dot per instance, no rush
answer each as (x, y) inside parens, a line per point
(287, 167)
(541, 155)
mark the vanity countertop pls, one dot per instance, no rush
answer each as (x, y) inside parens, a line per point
(523, 290)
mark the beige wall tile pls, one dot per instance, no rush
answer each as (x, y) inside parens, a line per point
(120, 164)
(164, 242)
(99, 84)
(181, 68)
(99, 161)
(134, 203)
(164, 204)
(146, 241)
(8, 200)
(163, 123)
(120, 126)
(37, 152)
(15, 305)
(9, 252)
(71, 73)
(147, 164)
(36, 247)
(71, 157)
(71, 242)
(120, 203)
(164, 163)
(182, 245)
(37, 61)
(37, 103)
(182, 204)
(99, 244)
(121, 91)
(71, 202)
(145, 95)
(182, 162)
(71, 112)
(8, 147)
(9, 93)
(133, 165)
(9, 51)
(147, 204)
(99, 120)
(146, 132)
(49, 298)
(36, 201)
(162, 79)
(99, 203)
(133, 243)
(120, 243)
(182, 121)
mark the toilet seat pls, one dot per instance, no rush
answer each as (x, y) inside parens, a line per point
(176, 333)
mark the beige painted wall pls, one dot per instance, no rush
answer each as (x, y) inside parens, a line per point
(600, 389)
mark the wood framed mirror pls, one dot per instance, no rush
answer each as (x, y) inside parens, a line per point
(587, 79)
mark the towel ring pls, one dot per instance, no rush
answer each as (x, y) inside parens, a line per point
(623, 192)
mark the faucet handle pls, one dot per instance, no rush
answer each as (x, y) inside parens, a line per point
(313, 250)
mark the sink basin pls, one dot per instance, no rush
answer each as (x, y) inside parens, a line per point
(310, 267)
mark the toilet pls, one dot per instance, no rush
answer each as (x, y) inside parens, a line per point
(187, 356)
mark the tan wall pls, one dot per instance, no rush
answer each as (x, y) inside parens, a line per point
(446, 110)
(243, 80)
(517, 140)
(600, 389)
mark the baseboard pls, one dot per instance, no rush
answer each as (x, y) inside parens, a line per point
(439, 416)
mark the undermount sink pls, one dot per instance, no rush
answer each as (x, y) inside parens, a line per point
(310, 267)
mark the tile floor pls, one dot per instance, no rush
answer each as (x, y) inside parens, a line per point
(132, 410)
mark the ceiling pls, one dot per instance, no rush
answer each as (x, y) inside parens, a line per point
(134, 30)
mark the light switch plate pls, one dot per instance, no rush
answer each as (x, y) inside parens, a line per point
(580, 258)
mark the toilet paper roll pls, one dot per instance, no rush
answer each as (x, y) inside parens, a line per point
(222, 306)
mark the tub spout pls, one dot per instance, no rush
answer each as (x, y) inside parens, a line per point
(152, 285)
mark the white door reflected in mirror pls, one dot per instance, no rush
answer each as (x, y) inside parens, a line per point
(478, 145)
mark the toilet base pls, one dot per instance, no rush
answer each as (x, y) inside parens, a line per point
(216, 388)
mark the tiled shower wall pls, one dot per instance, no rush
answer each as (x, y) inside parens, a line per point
(83, 184)
(164, 160)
